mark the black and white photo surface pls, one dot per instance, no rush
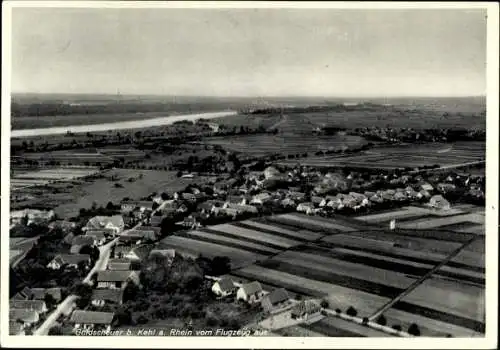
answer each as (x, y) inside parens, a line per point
(226, 174)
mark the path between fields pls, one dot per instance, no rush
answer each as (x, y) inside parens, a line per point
(66, 306)
(130, 124)
(422, 279)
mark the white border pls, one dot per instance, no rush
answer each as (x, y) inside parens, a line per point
(489, 341)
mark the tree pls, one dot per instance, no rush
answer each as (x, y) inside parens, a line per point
(164, 196)
(220, 265)
(414, 330)
(110, 206)
(324, 304)
(179, 173)
(49, 300)
(381, 320)
(396, 327)
(351, 311)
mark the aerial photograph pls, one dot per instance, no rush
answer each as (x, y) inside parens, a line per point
(247, 172)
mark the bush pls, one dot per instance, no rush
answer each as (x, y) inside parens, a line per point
(414, 330)
(381, 320)
(56, 330)
(324, 304)
(397, 327)
(118, 185)
(337, 310)
(365, 320)
(212, 321)
(351, 311)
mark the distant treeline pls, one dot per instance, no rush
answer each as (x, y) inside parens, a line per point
(330, 108)
(58, 109)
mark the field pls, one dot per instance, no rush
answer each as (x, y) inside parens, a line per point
(429, 223)
(68, 198)
(403, 156)
(264, 144)
(348, 266)
(337, 327)
(41, 177)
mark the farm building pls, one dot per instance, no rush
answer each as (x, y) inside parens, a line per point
(271, 172)
(296, 196)
(261, 198)
(224, 287)
(427, 187)
(288, 202)
(119, 264)
(250, 292)
(240, 200)
(81, 241)
(305, 309)
(116, 279)
(191, 222)
(69, 261)
(101, 297)
(23, 294)
(35, 305)
(439, 202)
(316, 200)
(114, 223)
(274, 300)
(156, 220)
(41, 293)
(91, 320)
(24, 317)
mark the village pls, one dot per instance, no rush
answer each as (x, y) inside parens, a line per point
(106, 255)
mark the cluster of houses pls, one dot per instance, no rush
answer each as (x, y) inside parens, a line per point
(31, 216)
(28, 306)
(121, 270)
(272, 302)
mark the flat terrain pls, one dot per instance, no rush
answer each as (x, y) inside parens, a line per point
(264, 144)
(403, 156)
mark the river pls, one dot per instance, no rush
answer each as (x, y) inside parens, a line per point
(130, 124)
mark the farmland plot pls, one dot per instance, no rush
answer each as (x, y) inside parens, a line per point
(429, 327)
(438, 222)
(218, 239)
(238, 257)
(404, 213)
(451, 302)
(338, 327)
(254, 234)
(274, 228)
(338, 297)
(319, 223)
(343, 268)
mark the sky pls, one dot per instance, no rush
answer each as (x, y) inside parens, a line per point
(250, 52)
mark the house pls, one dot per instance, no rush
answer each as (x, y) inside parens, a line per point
(242, 208)
(274, 300)
(189, 197)
(107, 232)
(224, 287)
(182, 208)
(41, 293)
(129, 239)
(156, 220)
(271, 172)
(288, 202)
(250, 292)
(214, 127)
(424, 194)
(446, 187)
(426, 187)
(239, 200)
(225, 211)
(439, 202)
(35, 305)
(296, 196)
(116, 279)
(134, 253)
(220, 187)
(101, 297)
(306, 207)
(317, 200)
(205, 207)
(25, 318)
(142, 206)
(399, 196)
(376, 198)
(81, 241)
(91, 320)
(16, 328)
(23, 294)
(261, 198)
(145, 234)
(305, 309)
(99, 236)
(114, 223)
(69, 261)
(190, 222)
(119, 264)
